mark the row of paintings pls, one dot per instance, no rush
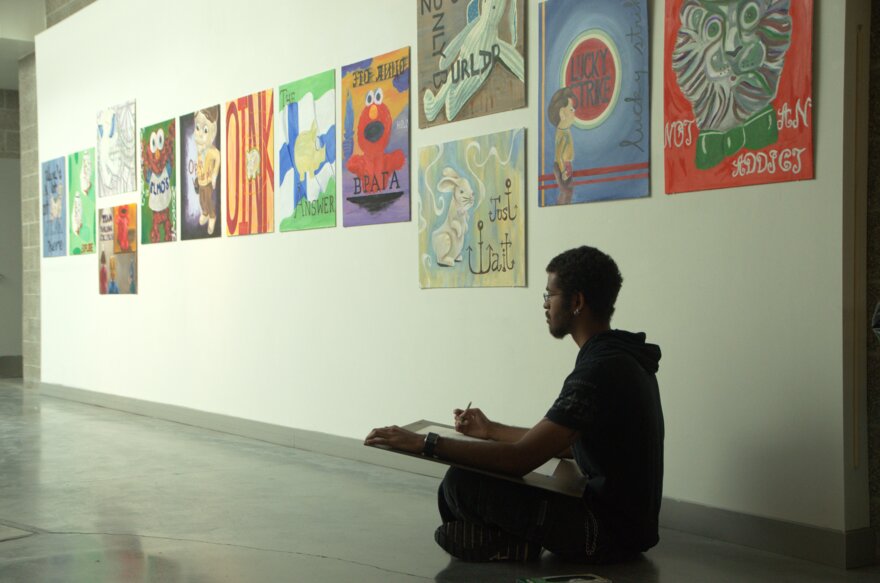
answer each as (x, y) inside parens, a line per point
(737, 101)
(471, 215)
(375, 173)
(737, 96)
(114, 229)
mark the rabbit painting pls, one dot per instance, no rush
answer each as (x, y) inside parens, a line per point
(448, 240)
(471, 212)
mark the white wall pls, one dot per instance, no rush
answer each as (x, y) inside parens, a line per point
(328, 330)
(10, 257)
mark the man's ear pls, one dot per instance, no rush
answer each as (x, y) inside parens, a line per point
(578, 303)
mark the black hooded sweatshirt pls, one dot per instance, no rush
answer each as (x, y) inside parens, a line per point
(612, 399)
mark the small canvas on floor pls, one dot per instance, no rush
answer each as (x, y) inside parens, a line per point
(588, 578)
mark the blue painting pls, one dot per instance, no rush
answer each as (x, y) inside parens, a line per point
(54, 208)
(306, 196)
(594, 101)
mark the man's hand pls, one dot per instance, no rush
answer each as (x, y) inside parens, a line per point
(396, 438)
(473, 423)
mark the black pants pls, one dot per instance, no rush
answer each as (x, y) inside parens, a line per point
(561, 524)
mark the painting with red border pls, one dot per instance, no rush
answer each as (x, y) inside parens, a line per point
(250, 164)
(738, 93)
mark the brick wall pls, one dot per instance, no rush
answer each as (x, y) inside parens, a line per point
(58, 10)
(10, 357)
(30, 217)
(9, 125)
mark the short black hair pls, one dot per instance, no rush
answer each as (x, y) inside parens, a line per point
(592, 273)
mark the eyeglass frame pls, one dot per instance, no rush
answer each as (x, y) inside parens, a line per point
(548, 295)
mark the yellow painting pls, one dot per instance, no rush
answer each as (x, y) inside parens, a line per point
(472, 213)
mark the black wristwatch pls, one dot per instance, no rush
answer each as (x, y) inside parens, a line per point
(430, 444)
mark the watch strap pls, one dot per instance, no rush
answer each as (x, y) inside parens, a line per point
(430, 444)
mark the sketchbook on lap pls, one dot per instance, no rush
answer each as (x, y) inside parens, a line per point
(557, 475)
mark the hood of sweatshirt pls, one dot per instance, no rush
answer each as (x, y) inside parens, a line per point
(612, 342)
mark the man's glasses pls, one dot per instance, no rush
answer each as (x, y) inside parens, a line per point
(548, 295)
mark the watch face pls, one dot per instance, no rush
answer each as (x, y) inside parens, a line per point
(430, 443)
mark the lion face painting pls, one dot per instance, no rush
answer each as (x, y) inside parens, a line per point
(728, 59)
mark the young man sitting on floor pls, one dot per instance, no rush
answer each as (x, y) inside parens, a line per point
(608, 417)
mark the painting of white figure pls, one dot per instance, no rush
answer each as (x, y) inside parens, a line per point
(472, 59)
(472, 212)
(81, 174)
(116, 135)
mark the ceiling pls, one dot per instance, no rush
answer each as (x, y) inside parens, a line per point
(20, 21)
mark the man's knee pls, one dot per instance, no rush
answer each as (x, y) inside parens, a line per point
(459, 481)
(458, 477)
(459, 489)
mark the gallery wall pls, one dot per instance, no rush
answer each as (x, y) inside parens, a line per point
(328, 330)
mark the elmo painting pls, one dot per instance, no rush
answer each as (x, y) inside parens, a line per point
(159, 187)
(375, 105)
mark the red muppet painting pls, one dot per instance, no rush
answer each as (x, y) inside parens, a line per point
(117, 250)
(374, 165)
(375, 146)
(122, 218)
(158, 192)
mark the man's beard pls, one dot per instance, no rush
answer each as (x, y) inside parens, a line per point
(560, 329)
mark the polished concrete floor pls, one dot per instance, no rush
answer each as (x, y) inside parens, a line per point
(94, 495)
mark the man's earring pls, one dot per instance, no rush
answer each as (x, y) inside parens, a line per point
(577, 311)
